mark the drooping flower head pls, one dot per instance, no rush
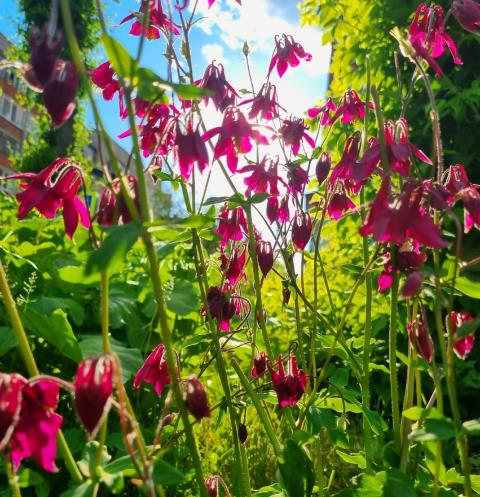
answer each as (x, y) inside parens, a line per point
(221, 306)
(301, 229)
(233, 266)
(264, 177)
(265, 103)
(232, 225)
(259, 365)
(351, 109)
(339, 202)
(11, 386)
(45, 48)
(467, 13)
(323, 111)
(154, 371)
(264, 255)
(112, 207)
(214, 80)
(322, 169)
(93, 390)
(289, 386)
(190, 149)
(344, 171)
(287, 52)
(463, 344)
(196, 398)
(103, 77)
(293, 131)
(421, 339)
(297, 179)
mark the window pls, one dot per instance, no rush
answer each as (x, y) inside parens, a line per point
(8, 145)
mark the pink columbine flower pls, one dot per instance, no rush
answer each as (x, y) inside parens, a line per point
(104, 78)
(54, 187)
(154, 371)
(158, 21)
(60, 92)
(11, 386)
(45, 49)
(339, 203)
(265, 256)
(351, 109)
(93, 391)
(324, 112)
(235, 137)
(233, 266)
(196, 398)
(221, 307)
(190, 149)
(399, 149)
(264, 177)
(259, 365)
(301, 229)
(290, 386)
(421, 339)
(297, 179)
(232, 225)
(293, 132)
(322, 169)
(265, 103)
(287, 53)
(428, 37)
(214, 80)
(345, 171)
(463, 345)
(112, 207)
(467, 13)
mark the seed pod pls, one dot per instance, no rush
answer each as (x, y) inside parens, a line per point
(242, 433)
(196, 398)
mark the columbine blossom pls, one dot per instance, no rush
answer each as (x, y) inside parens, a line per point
(154, 371)
(190, 149)
(233, 266)
(278, 210)
(344, 172)
(287, 53)
(265, 103)
(264, 177)
(259, 365)
(157, 21)
(421, 339)
(11, 386)
(463, 345)
(290, 386)
(221, 306)
(428, 37)
(53, 188)
(324, 112)
(195, 398)
(265, 257)
(351, 108)
(297, 179)
(339, 202)
(232, 225)
(214, 80)
(467, 13)
(103, 77)
(44, 49)
(322, 169)
(235, 137)
(112, 207)
(293, 132)
(301, 229)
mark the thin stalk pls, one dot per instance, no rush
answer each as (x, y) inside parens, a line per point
(12, 478)
(392, 356)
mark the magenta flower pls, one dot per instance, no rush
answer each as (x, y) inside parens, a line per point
(265, 103)
(232, 225)
(103, 78)
(190, 149)
(54, 187)
(421, 339)
(324, 112)
(339, 203)
(265, 258)
(297, 179)
(428, 38)
(259, 365)
(264, 177)
(214, 80)
(288, 387)
(345, 171)
(93, 391)
(293, 132)
(60, 92)
(463, 345)
(112, 207)
(322, 169)
(157, 21)
(351, 109)
(301, 229)
(233, 267)
(44, 49)
(11, 386)
(467, 13)
(35, 434)
(287, 53)
(235, 137)
(154, 371)
(221, 307)
(196, 398)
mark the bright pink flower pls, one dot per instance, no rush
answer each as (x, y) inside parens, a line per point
(288, 387)
(287, 53)
(265, 103)
(103, 78)
(265, 256)
(112, 207)
(44, 49)
(345, 171)
(420, 339)
(301, 229)
(93, 390)
(54, 187)
(60, 92)
(322, 169)
(158, 21)
(221, 307)
(264, 177)
(154, 371)
(196, 398)
(297, 179)
(428, 37)
(235, 137)
(339, 203)
(190, 149)
(463, 345)
(35, 434)
(323, 111)
(467, 13)
(11, 386)
(259, 365)
(233, 266)
(351, 108)
(232, 225)
(293, 132)
(223, 93)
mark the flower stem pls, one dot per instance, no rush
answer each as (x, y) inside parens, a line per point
(392, 356)
(12, 478)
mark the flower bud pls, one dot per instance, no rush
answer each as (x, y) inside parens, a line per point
(412, 284)
(467, 14)
(301, 229)
(195, 398)
(212, 486)
(420, 339)
(264, 256)
(44, 50)
(93, 389)
(259, 365)
(242, 433)
(323, 167)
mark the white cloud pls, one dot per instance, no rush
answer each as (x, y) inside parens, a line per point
(214, 51)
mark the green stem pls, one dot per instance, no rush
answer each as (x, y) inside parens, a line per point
(105, 318)
(392, 355)
(12, 478)
(30, 364)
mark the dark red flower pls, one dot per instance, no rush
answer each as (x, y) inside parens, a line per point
(264, 177)
(154, 371)
(232, 225)
(196, 398)
(301, 229)
(420, 339)
(264, 255)
(214, 80)
(265, 103)
(322, 169)
(463, 345)
(323, 111)
(259, 365)
(339, 203)
(233, 267)
(93, 390)
(288, 387)
(297, 179)
(11, 386)
(103, 78)
(351, 108)
(112, 207)
(344, 171)
(221, 307)
(467, 13)
(235, 137)
(287, 53)
(293, 132)
(44, 51)
(190, 149)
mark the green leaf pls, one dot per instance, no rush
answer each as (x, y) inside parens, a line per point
(47, 305)
(114, 248)
(166, 474)
(121, 60)
(468, 328)
(88, 463)
(76, 275)
(183, 299)
(150, 87)
(295, 473)
(190, 92)
(468, 287)
(434, 430)
(376, 422)
(83, 490)
(472, 427)
(357, 459)
(8, 340)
